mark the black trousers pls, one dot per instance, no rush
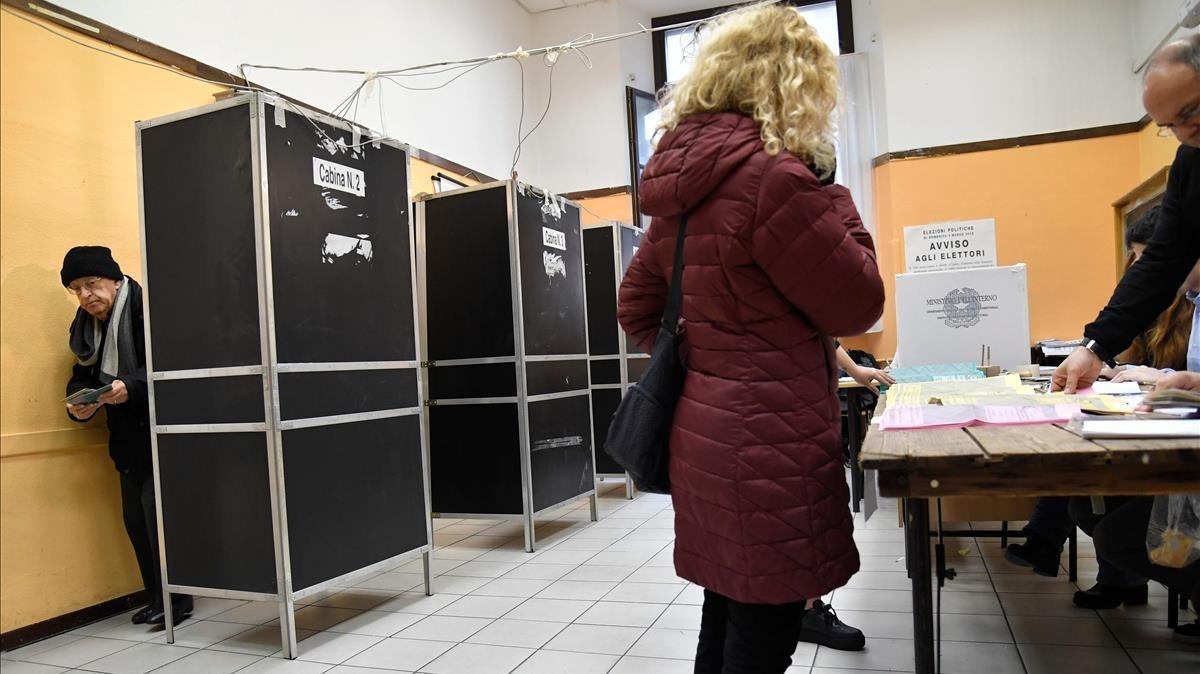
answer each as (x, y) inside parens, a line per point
(1051, 520)
(737, 638)
(141, 523)
(1120, 538)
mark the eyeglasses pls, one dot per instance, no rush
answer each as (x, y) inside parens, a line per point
(1186, 118)
(90, 285)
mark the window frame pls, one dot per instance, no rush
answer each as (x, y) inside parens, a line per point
(658, 38)
(632, 96)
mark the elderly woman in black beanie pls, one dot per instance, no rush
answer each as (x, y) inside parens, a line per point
(109, 343)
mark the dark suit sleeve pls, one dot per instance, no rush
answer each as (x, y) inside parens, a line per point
(1151, 284)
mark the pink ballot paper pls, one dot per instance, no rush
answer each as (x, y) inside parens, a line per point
(957, 416)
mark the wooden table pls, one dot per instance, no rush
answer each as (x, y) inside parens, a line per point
(1043, 460)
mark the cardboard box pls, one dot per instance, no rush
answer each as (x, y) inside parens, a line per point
(945, 317)
(956, 510)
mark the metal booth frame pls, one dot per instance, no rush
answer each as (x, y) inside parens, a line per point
(274, 425)
(522, 399)
(623, 355)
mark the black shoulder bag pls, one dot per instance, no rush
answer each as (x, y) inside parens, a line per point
(641, 428)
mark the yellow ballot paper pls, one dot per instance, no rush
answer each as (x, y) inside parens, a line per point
(1007, 391)
(904, 395)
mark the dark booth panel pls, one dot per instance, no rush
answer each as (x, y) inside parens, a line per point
(552, 297)
(475, 459)
(216, 508)
(604, 406)
(630, 240)
(219, 400)
(355, 496)
(606, 371)
(560, 435)
(601, 272)
(490, 380)
(637, 367)
(468, 283)
(340, 246)
(198, 194)
(556, 376)
(303, 395)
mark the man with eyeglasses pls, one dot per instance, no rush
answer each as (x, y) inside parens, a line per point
(108, 340)
(1171, 96)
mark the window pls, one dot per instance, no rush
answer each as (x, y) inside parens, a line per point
(642, 114)
(444, 183)
(675, 49)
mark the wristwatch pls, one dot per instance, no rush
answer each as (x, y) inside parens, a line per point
(1101, 353)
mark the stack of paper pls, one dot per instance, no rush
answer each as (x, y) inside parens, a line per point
(1175, 402)
(923, 393)
(1129, 427)
(1007, 390)
(957, 416)
(1059, 347)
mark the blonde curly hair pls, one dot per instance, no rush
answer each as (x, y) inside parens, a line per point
(767, 62)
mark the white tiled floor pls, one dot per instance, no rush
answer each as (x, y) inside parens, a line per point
(603, 598)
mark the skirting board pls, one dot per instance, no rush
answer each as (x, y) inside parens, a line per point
(23, 636)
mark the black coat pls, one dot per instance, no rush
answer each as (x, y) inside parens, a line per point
(1152, 283)
(129, 422)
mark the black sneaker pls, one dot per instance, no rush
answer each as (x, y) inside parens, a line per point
(140, 617)
(822, 626)
(1037, 553)
(1189, 633)
(1106, 596)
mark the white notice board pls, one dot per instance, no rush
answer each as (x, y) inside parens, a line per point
(945, 246)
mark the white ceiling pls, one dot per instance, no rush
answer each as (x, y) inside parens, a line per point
(651, 7)
(669, 7)
(538, 6)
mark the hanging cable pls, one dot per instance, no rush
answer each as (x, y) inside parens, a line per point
(550, 57)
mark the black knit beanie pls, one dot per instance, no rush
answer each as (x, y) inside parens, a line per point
(89, 261)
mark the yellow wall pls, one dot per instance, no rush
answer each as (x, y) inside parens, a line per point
(598, 210)
(1053, 209)
(68, 172)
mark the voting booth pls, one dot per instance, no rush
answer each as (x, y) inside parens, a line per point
(614, 361)
(504, 315)
(949, 316)
(281, 349)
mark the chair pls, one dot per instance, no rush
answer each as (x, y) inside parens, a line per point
(1175, 603)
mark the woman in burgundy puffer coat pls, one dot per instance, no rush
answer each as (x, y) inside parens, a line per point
(776, 266)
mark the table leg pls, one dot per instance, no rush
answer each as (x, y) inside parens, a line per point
(854, 437)
(1073, 556)
(916, 530)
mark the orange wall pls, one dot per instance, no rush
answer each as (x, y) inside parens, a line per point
(598, 210)
(1154, 152)
(1053, 209)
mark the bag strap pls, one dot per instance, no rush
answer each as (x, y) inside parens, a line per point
(675, 291)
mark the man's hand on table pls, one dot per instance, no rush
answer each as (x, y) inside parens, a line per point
(1079, 370)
